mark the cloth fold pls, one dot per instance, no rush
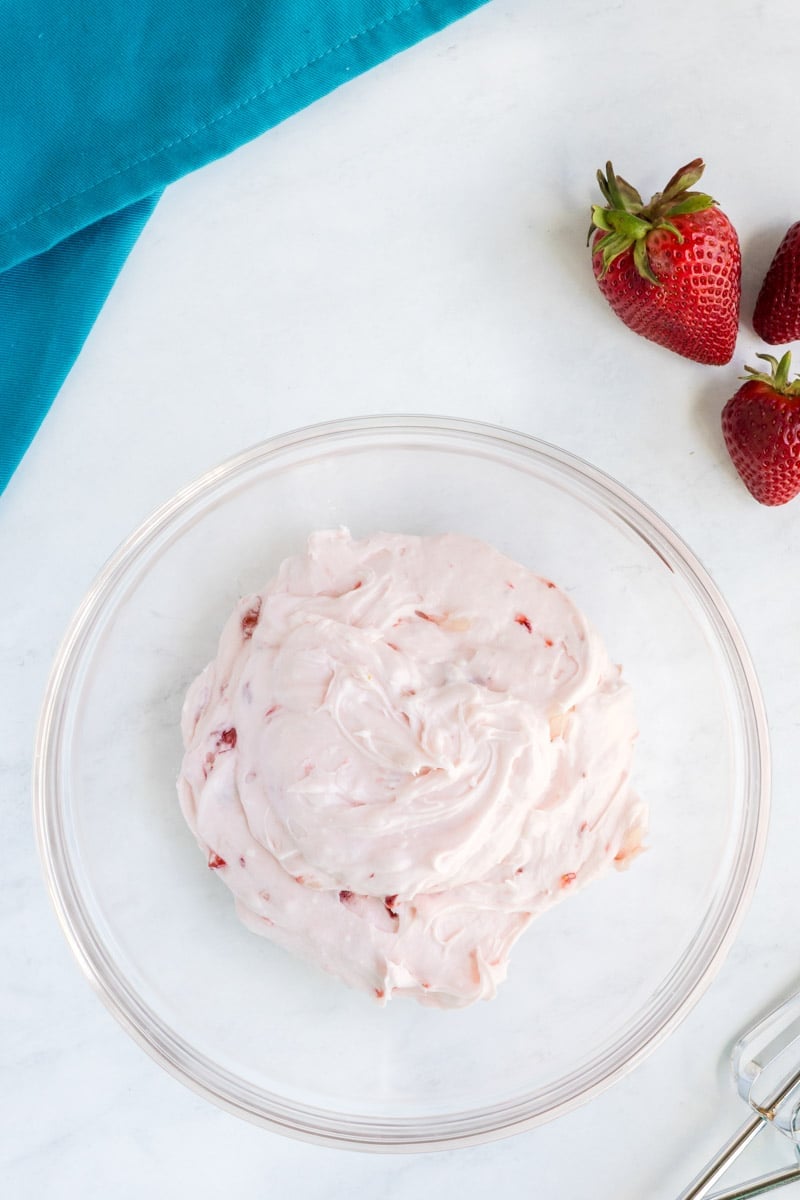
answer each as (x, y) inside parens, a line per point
(103, 103)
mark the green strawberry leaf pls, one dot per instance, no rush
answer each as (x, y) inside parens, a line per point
(600, 218)
(692, 203)
(633, 201)
(684, 178)
(642, 260)
(612, 245)
(601, 181)
(672, 229)
(613, 190)
(626, 223)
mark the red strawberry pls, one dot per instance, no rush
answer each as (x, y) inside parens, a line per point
(670, 269)
(761, 426)
(777, 315)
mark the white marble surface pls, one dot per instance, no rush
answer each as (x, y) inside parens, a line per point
(414, 242)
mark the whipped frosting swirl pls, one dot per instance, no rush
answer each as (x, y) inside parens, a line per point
(406, 748)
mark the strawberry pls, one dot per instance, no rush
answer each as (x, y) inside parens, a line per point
(670, 269)
(761, 426)
(777, 314)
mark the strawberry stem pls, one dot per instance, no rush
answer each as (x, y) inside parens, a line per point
(778, 377)
(626, 222)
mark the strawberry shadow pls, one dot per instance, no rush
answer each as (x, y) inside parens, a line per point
(566, 242)
(711, 398)
(757, 253)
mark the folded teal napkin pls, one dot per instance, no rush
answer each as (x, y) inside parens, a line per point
(105, 102)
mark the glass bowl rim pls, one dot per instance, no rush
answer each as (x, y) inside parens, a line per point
(403, 1133)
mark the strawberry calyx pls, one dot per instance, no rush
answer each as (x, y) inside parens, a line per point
(626, 220)
(778, 376)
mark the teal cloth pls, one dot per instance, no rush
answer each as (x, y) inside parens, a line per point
(105, 102)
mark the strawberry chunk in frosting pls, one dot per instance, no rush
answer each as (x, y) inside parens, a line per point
(405, 749)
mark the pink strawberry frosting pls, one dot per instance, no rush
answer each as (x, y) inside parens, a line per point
(405, 749)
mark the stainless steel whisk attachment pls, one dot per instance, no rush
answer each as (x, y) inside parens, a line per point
(766, 1070)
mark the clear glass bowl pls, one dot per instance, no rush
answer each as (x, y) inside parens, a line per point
(594, 984)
